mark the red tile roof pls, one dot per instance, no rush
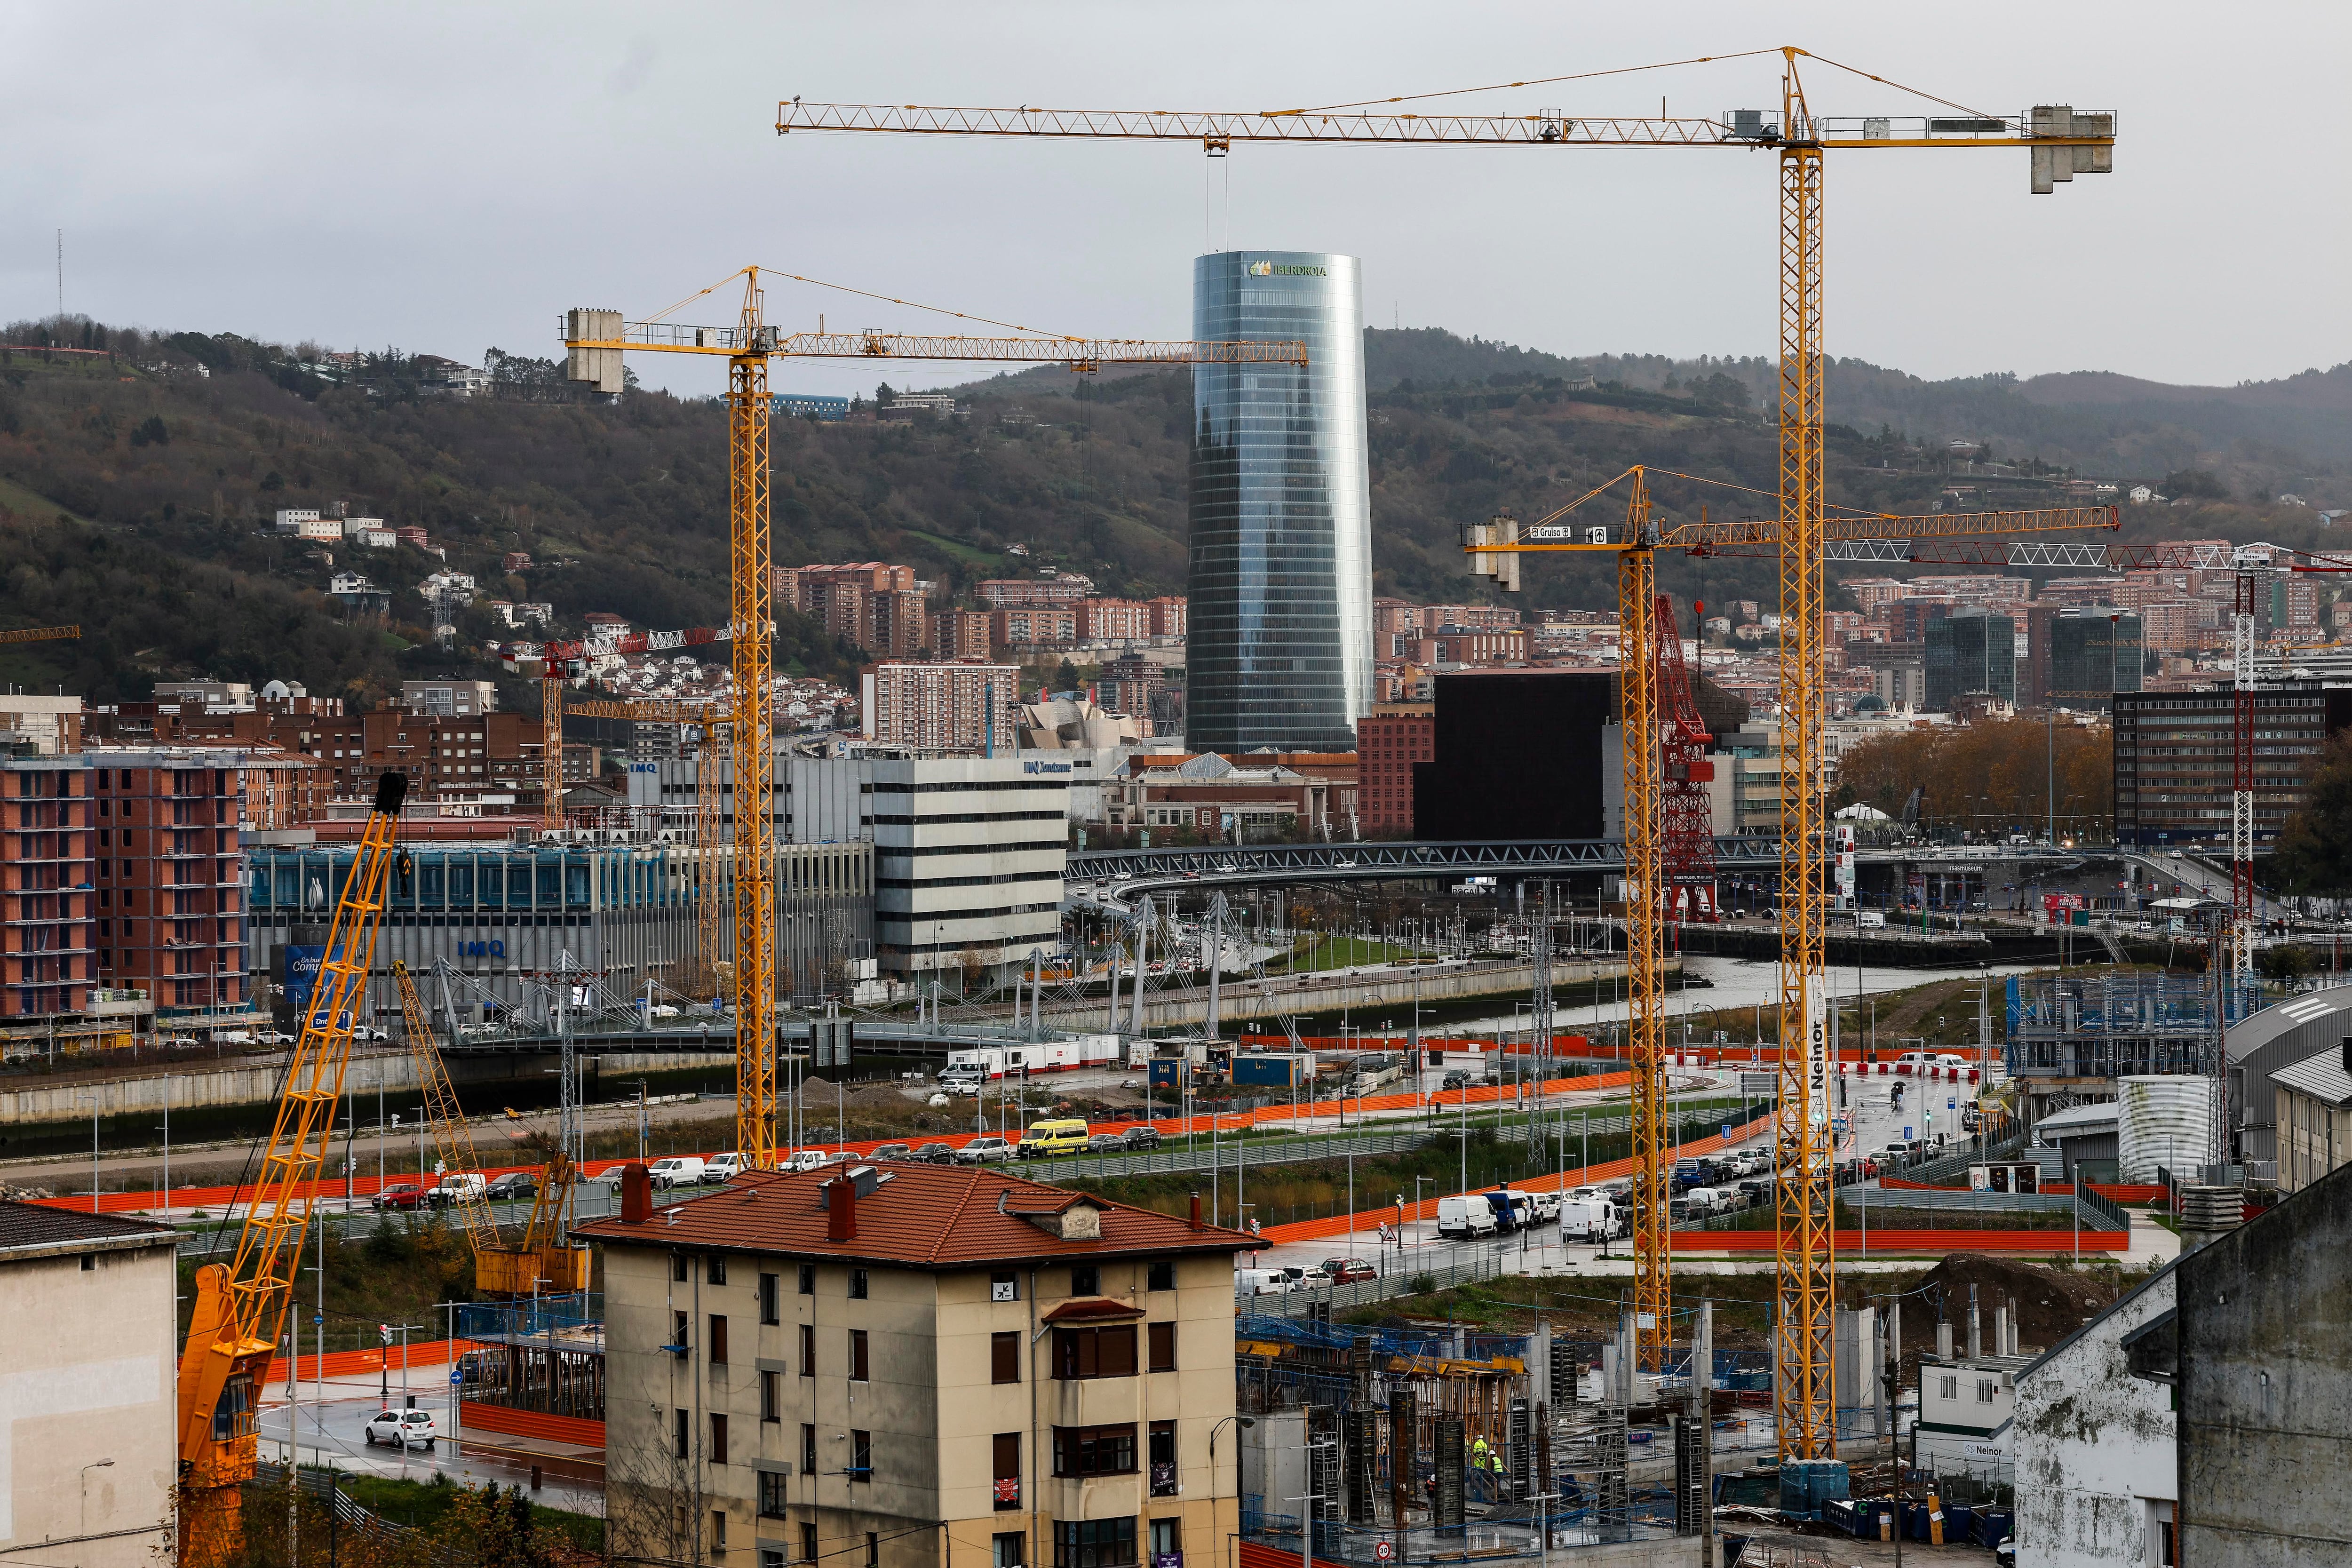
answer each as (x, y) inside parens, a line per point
(1091, 1309)
(923, 1216)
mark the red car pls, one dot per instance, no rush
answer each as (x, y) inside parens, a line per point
(407, 1195)
(1347, 1270)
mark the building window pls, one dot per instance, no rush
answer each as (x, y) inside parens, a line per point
(771, 1557)
(808, 1450)
(769, 1399)
(770, 1310)
(684, 1435)
(1005, 1358)
(1095, 1353)
(680, 1329)
(1008, 1549)
(857, 1356)
(714, 1268)
(718, 1437)
(808, 1349)
(1167, 1538)
(1162, 1276)
(1086, 1279)
(858, 1284)
(1951, 1387)
(717, 1530)
(1161, 1340)
(1985, 1389)
(808, 1543)
(677, 1268)
(1007, 1469)
(808, 1278)
(1094, 1543)
(873, 1549)
(861, 1455)
(717, 1339)
(1094, 1450)
(1163, 1459)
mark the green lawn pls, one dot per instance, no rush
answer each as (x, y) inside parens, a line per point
(970, 554)
(1321, 953)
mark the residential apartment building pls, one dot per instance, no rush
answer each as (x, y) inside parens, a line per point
(1002, 593)
(1907, 618)
(2175, 759)
(1388, 741)
(959, 633)
(794, 585)
(47, 958)
(1034, 627)
(89, 1469)
(897, 621)
(943, 707)
(1167, 616)
(1872, 594)
(51, 725)
(916, 1366)
(1113, 620)
(169, 872)
(1982, 589)
(456, 757)
(450, 696)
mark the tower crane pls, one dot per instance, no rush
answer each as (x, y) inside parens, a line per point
(1656, 737)
(544, 1263)
(240, 1307)
(595, 341)
(2059, 143)
(41, 633)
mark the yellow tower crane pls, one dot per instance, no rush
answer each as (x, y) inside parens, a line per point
(2061, 144)
(594, 343)
(1494, 549)
(41, 633)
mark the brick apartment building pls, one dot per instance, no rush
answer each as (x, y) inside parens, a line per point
(170, 873)
(959, 633)
(1167, 616)
(1113, 620)
(950, 707)
(2173, 762)
(1388, 741)
(47, 907)
(447, 756)
(1398, 617)
(1034, 625)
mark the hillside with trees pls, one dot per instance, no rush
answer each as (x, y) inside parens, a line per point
(139, 472)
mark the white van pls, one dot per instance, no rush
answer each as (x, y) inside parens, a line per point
(721, 1168)
(1593, 1220)
(676, 1170)
(1870, 920)
(1466, 1216)
(1700, 1202)
(805, 1160)
(1250, 1282)
(456, 1188)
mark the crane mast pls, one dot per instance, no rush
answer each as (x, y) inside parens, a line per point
(240, 1307)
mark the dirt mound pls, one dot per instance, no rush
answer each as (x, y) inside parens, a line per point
(818, 1093)
(2047, 1303)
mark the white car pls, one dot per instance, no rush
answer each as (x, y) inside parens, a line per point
(720, 1168)
(805, 1160)
(403, 1429)
(987, 1150)
(677, 1171)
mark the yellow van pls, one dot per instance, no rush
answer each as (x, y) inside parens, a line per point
(1045, 1139)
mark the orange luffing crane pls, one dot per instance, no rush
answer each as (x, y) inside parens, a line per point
(1654, 736)
(594, 343)
(41, 633)
(2060, 144)
(240, 1307)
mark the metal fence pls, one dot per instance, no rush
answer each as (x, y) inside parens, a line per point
(1461, 1266)
(1944, 1167)
(1223, 1156)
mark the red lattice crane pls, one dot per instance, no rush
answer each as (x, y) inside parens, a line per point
(1686, 826)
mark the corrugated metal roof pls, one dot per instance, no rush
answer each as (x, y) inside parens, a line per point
(2320, 1075)
(38, 1225)
(923, 1216)
(2077, 1118)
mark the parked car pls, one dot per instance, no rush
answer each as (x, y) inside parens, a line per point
(934, 1155)
(456, 1188)
(676, 1170)
(512, 1185)
(1347, 1270)
(1106, 1143)
(1055, 1135)
(1141, 1138)
(890, 1151)
(407, 1195)
(719, 1168)
(986, 1150)
(403, 1429)
(1457, 1078)
(804, 1160)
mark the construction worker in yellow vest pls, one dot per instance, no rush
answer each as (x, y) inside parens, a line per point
(1481, 1457)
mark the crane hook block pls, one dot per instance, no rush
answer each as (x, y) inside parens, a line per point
(390, 791)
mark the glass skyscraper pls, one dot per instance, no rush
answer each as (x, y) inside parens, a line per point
(1279, 639)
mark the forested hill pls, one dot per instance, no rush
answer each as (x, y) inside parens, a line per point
(137, 481)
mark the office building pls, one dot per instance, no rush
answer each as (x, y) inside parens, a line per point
(88, 1467)
(2175, 755)
(1388, 741)
(941, 706)
(968, 859)
(1280, 510)
(916, 1366)
(1971, 650)
(45, 870)
(2094, 654)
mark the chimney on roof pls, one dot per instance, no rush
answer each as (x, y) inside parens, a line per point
(636, 1193)
(841, 1209)
(1196, 1211)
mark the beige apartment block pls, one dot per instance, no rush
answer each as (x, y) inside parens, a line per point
(918, 1366)
(87, 1391)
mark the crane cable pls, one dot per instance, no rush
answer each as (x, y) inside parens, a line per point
(869, 294)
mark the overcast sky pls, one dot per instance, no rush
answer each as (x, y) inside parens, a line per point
(447, 177)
